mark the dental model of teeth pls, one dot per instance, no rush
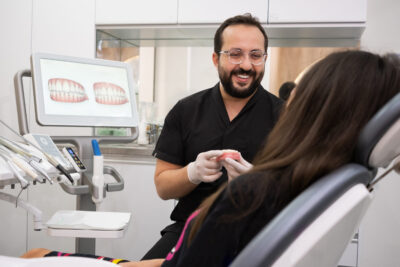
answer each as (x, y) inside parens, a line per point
(109, 94)
(229, 153)
(64, 90)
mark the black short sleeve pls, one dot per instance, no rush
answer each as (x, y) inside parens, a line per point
(169, 146)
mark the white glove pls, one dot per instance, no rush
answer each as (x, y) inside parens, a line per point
(205, 168)
(235, 168)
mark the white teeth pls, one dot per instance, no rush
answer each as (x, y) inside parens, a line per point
(63, 90)
(109, 94)
(65, 87)
(243, 76)
(58, 86)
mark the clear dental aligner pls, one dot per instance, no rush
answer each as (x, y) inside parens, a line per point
(64, 90)
(109, 94)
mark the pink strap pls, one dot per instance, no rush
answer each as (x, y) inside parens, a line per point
(178, 245)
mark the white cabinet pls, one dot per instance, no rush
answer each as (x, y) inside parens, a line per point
(118, 12)
(287, 22)
(114, 12)
(136, 12)
(216, 11)
(317, 11)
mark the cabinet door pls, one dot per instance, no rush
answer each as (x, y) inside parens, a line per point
(216, 11)
(136, 12)
(317, 11)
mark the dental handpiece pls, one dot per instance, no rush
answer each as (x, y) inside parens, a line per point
(25, 156)
(22, 164)
(52, 161)
(56, 164)
(26, 140)
(15, 147)
(24, 183)
(39, 169)
(25, 151)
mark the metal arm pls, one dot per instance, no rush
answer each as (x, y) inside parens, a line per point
(36, 213)
(20, 98)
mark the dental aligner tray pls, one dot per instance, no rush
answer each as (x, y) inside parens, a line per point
(88, 224)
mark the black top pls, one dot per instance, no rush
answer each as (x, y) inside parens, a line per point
(200, 123)
(220, 239)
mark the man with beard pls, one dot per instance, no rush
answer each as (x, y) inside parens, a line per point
(237, 113)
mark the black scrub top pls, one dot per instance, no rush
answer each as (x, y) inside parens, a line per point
(200, 123)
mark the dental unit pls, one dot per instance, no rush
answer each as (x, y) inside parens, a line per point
(34, 158)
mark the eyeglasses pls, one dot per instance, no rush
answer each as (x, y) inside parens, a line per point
(236, 56)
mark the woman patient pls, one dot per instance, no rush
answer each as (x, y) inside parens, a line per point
(315, 134)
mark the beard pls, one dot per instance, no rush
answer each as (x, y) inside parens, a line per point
(230, 89)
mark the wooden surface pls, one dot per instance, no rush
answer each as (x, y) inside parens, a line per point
(288, 62)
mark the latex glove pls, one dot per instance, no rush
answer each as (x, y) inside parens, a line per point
(205, 168)
(235, 168)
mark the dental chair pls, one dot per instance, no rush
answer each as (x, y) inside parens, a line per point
(53, 262)
(316, 227)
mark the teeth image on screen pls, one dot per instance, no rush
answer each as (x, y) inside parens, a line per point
(109, 94)
(64, 90)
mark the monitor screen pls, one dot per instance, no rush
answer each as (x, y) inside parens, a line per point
(83, 92)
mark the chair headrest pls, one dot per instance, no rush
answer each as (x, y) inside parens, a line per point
(379, 141)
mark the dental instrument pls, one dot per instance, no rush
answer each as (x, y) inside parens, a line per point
(24, 183)
(40, 170)
(32, 160)
(15, 147)
(49, 158)
(98, 175)
(56, 164)
(21, 163)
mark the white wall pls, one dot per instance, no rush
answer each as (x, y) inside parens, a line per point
(15, 27)
(382, 30)
(53, 26)
(379, 241)
(14, 55)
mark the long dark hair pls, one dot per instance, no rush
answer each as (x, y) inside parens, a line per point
(317, 131)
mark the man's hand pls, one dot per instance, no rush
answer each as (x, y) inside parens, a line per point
(205, 168)
(236, 168)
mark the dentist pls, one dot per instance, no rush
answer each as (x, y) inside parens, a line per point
(237, 113)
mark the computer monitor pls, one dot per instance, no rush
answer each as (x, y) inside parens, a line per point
(72, 91)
